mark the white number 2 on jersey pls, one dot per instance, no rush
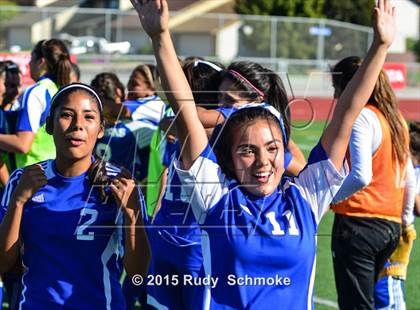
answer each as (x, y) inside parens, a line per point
(80, 235)
(277, 231)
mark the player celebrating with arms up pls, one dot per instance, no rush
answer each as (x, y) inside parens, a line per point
(70, 232)
(254, 225)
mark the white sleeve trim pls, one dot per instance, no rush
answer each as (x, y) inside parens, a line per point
(143, 131)
(318, 183)
(152, 110)
(204, 183)
(35, 106)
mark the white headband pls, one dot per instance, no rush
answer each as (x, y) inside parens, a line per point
(208, 63)
(80, 86)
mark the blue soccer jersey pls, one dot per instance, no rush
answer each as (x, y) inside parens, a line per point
(260, 250)
(175, 231)
(127, 145)
(72, 243)
(175, 213)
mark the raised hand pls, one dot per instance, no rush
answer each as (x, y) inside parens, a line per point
(153, 14)
(32, 179)
(384, 22)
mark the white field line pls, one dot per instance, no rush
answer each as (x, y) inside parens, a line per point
(325, 302)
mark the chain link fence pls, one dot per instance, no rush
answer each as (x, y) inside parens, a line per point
(296, 45)
(248, 36)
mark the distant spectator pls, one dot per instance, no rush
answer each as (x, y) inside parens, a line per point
(50, 66)
(376, 197)
(125, 140)
(13, 86)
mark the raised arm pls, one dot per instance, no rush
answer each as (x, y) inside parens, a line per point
(336, 136)
(154, 17)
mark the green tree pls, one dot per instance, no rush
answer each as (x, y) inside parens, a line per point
(414, 46)
(351, 11)
(346, 41)
(293, 39)
(5, 16)
(305, 8)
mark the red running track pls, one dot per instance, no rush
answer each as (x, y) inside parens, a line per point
(320, 108)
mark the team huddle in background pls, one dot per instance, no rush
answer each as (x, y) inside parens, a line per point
(184, 190)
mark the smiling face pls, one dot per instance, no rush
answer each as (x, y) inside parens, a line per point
(77, 126)
(257, 156)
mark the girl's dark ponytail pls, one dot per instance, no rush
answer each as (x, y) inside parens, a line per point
(58, 62)
(99, 178)
(253, 81)
(64, 68)
(276, 96)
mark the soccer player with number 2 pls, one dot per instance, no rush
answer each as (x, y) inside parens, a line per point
(71, 232)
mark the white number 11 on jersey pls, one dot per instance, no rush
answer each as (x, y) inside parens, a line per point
(277, 231)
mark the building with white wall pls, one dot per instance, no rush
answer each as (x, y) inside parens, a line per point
(407, 24)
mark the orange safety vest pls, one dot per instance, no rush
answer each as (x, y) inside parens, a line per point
(383, 197)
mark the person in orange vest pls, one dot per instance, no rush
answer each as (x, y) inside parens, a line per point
(376, 198)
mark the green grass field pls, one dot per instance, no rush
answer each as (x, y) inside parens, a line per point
(306, 138)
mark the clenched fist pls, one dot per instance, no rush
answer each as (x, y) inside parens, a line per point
(32, 179)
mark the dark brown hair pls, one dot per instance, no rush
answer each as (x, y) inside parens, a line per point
(12, 81)
(382, 97)
(57, 59)
(265, 80)
(204, 81)
(106, 85)
(99, 178)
